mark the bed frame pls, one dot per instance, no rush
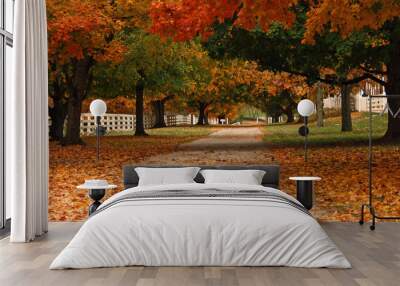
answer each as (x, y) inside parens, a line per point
(270, 179)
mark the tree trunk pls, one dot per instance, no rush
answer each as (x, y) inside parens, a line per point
(140, 110)
(393, 127)
(393, 88)
(57, 114)
(275, 118)
(73, 122)
(78, 91)
(320, 107)
(346, 108)
(287, 105)
(203, 120)
(158, 109)
(289, 114)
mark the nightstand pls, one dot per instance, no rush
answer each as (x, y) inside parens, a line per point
(96, 193)
(305, 190)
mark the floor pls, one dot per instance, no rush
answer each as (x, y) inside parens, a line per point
(375, 257)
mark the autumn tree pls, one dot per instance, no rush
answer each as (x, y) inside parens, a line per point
(81, 33)
(347, 36)
(278, 93)
(379, 22)
(330, 60)
(288, 91)
(189, 57)
(198, 78)
(150, 68)
(231, 82)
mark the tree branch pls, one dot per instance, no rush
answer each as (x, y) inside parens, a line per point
(355, 80)
(168, 97)
(377, 80)
(380, 72)
(336, 80)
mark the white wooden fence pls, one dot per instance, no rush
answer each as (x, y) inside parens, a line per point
(270, 120)
(127, 122)
(112, 122)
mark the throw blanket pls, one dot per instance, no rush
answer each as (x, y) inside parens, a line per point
(206, 194)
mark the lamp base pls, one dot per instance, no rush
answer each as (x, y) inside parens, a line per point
(96, 195)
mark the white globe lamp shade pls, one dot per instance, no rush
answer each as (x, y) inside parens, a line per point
(98, 107)
(305, 107)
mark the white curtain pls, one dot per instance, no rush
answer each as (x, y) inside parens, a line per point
(27, 124)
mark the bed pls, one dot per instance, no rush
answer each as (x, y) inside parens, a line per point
(197, 224)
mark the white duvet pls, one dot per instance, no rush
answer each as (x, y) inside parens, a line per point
(200, 231)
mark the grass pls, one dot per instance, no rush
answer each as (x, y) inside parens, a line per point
(187, 131)
(178, 131)
(330, 134)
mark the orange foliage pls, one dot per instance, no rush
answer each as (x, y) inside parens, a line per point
(346, 16)
(87, 28)
(227, 110)
(185, 19)
(226, 83)
(118, 105)
(133, 13)
(239, 73)
(82, 28)
(278, 82)
(236, 82)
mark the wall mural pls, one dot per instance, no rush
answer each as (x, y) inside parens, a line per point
(182, 89)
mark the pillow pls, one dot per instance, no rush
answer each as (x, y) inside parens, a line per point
(166, 176)
(248, 177)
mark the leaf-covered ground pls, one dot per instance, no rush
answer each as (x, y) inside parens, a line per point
(344, 173)
(344, 184)
(71, 165)
(339, 195)
(341, 159)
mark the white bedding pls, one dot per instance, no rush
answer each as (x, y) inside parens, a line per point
(200, 231)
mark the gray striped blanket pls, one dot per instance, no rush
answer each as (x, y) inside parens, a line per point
(206, 194)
